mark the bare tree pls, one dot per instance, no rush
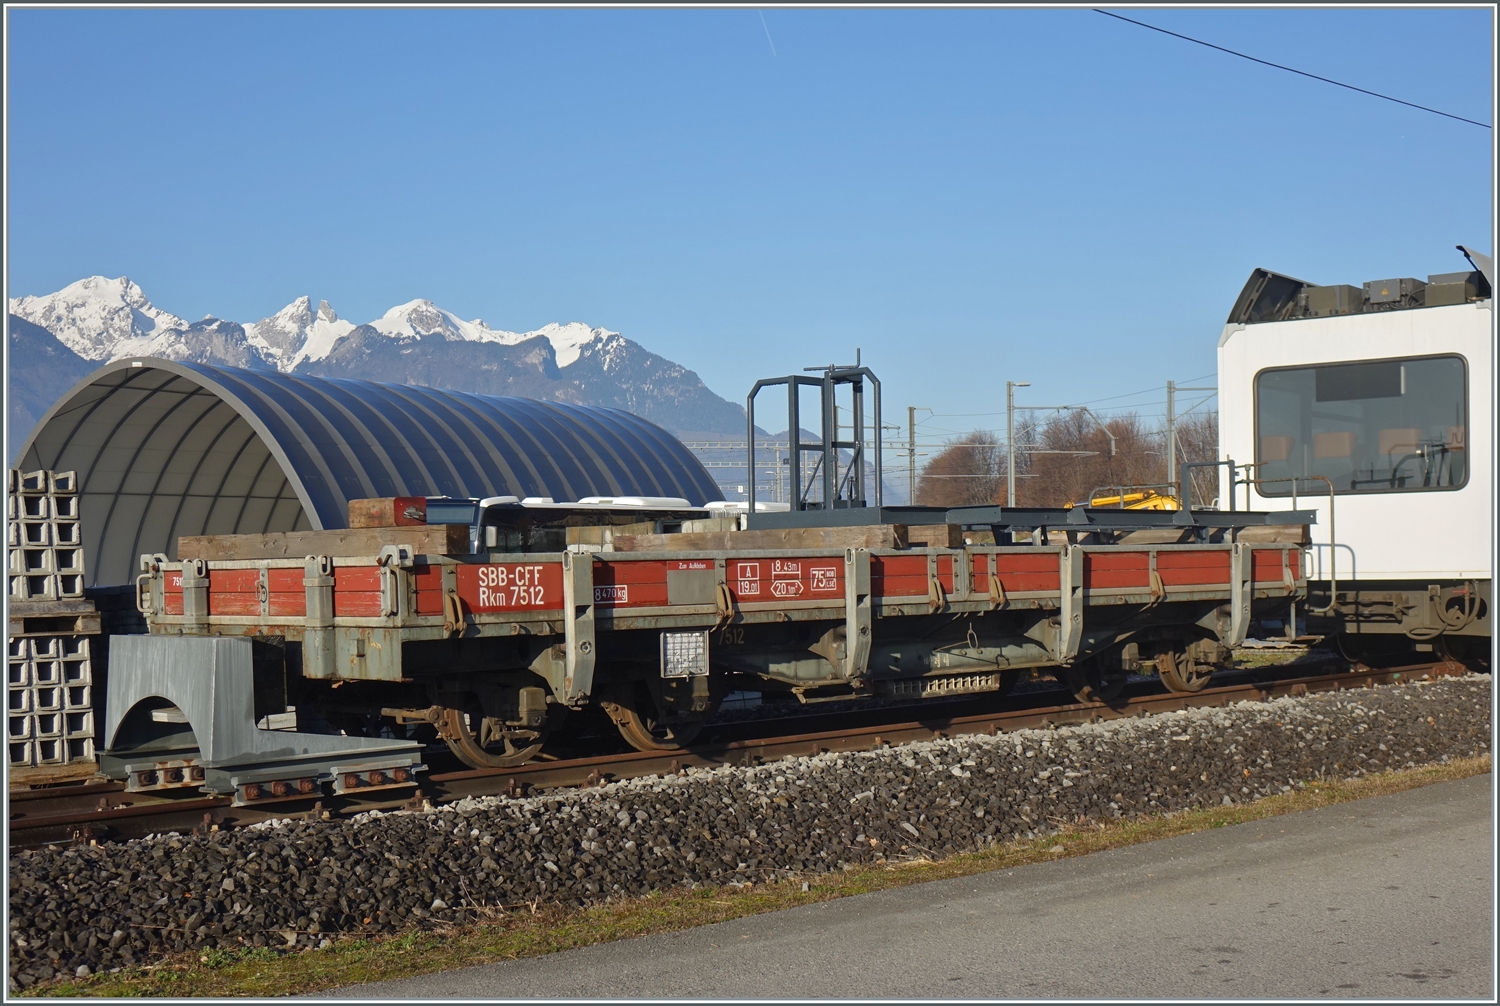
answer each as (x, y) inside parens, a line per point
(1072, 458)
(968, 471)
(1066, 458)
(1198, 440)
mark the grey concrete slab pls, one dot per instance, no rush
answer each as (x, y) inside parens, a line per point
(1389, 897)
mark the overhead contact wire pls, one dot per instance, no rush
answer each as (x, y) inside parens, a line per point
(1292, 69)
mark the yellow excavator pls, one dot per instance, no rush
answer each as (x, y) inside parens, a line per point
(1132, 498)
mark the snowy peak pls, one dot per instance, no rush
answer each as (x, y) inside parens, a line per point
(284, 332)
(421, 319)
(108, 319)
(95, 315)
(569, 340)
(295, 333)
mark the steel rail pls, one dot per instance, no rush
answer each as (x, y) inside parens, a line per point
(105, 810)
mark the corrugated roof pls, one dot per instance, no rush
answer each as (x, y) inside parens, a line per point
(164, 449)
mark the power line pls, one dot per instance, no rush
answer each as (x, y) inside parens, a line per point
(1091, 401)
(1288, 69)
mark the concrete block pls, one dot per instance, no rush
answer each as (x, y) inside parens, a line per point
(36, 507)
(78, 723)
(37, 560)
(77, 672)
(46, 672)
(22, 753)
(47, 725)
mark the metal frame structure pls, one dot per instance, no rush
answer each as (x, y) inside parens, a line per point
(1204, 524)
(827, 449)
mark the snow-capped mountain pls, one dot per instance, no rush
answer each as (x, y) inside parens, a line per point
(417, 342)
(95, 317)
(421, 319)
(296, 333)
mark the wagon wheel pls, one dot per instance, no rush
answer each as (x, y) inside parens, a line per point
(481, 741)
(1179, 673)
(1090, 682)
(643, 728)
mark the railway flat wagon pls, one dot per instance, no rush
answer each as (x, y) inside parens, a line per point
(487, 649)
(492, 623)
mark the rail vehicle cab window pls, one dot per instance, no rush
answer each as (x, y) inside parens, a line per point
(1377, 426)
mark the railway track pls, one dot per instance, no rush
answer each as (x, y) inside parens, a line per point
(105, 811)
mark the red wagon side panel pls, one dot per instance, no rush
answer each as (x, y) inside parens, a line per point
(234, 592)
(769, 580)
(1023, 572)
(1117, 570)
(429, 583)
(288, 595)
(898, 576)
(511, 586)
(1180, 569)
(356, 592)
(1265, 565)
(640, 584)
(171, 590)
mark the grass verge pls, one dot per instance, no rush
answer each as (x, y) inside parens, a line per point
(545, 930)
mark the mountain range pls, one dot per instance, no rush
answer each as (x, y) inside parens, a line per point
(58, 338)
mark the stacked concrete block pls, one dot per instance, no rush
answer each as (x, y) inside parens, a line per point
(50, 684)
(45, 545)
(50, 693)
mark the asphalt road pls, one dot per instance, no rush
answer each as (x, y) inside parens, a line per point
(1387, 897)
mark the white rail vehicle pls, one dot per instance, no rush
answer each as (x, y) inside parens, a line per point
(1383, 394)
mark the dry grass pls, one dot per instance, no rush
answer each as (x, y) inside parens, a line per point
(531, 932)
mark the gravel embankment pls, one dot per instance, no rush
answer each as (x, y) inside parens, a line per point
(284, 883)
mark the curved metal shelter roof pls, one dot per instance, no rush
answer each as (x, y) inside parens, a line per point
(164, 449)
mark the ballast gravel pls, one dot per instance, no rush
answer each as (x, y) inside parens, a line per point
(285, 884)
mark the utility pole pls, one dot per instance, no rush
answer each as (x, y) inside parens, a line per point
(1172, 433)
(1172, 390)
(1010, 439)
(911, 451)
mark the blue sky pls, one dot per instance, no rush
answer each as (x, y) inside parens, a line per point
(969, 196)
